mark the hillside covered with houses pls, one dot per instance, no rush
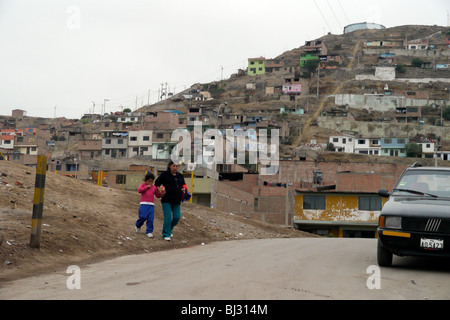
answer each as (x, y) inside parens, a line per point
(352, 111)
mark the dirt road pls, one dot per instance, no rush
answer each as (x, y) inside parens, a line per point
(277, 269)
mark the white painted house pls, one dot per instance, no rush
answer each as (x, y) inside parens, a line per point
(140, 143)
(342, 143)
(427, 149)
(369, 146)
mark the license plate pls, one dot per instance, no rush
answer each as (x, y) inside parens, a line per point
(432, 244)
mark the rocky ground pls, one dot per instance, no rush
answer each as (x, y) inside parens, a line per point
(84, 223)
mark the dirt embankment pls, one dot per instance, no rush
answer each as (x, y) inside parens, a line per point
(84, 223)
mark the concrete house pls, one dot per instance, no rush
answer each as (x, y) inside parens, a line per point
(343, 143)
(306, 57)
(274, 66)
(114, 145)
(369, 146)
(408, 114)
(140, 143)
(417, 44)
(7, 139)
(351, 206)
(162, 145)
(292, 88)
(428, 149)
(340, 214)
(256, 66)
(394, 147)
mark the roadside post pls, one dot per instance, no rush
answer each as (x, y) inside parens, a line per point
(38, 202)
(192, 186)
(100, 178)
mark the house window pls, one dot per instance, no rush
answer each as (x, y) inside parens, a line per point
(120, 141)
(121, 179)
(133, 138)
(387, 141)
(108, 141)
(314, 202)
(335, 139)
(369, 203)
(401, 141)
(159, 135)
(361, 141)
(143, 149)
(146, 138)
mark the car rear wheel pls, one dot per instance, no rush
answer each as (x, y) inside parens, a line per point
(384, 256)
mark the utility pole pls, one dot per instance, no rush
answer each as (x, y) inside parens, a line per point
(104, 106)
(167, 92)
(318, 79)
(286, 220)
(38, 202)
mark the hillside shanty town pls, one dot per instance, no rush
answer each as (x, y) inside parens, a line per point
(350, 111)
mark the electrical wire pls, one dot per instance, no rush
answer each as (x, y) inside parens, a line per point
(323, 17)
(331, 8)
(345, 14)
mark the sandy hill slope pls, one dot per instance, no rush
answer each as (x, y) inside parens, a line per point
(84, 223)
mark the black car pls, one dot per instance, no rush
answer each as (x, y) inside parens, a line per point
(415, 221)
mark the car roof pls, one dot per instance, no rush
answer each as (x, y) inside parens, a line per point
(429, 169)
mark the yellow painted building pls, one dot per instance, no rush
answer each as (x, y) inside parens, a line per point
(338, 214)
(201, 190)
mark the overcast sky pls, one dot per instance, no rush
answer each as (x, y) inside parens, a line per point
(64, 58)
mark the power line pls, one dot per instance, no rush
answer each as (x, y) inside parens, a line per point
(334, 14)
(329, 28)
(348, 20)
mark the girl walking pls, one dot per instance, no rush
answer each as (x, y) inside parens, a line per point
(147, 205)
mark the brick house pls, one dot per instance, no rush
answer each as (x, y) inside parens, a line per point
(90, 149)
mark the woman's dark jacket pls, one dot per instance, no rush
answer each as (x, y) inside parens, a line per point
(173, 185)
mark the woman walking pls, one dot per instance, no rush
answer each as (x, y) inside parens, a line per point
(172, 187)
